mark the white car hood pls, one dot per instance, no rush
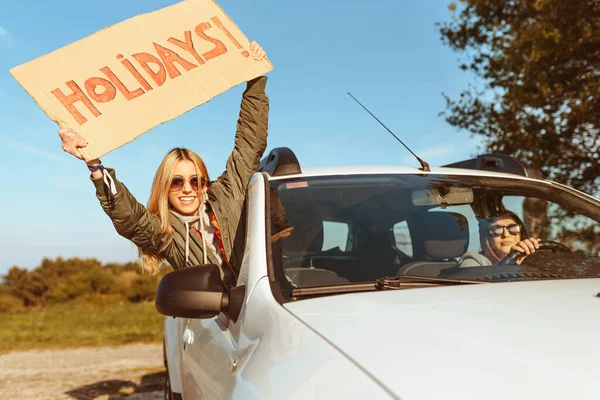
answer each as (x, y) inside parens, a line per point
(526, 340)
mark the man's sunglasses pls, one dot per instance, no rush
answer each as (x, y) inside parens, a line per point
(498, 230)
(178, 182)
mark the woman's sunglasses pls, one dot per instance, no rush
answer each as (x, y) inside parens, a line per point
(178, 182)
(498, 230)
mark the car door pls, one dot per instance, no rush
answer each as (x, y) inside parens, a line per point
(206, 359)
(209, 358)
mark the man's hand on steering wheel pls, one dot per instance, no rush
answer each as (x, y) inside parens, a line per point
(527, 246)
(516, 254)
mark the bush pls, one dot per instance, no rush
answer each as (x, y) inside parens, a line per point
(99, 299)
(65, 280)
(10, 303)
(74, 286)
(136, 287)
(143, 288)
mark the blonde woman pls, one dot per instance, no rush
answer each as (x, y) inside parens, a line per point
(189, 220)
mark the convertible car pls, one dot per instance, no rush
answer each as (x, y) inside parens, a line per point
(352, 287)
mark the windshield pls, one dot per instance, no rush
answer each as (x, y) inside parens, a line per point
(361, 228)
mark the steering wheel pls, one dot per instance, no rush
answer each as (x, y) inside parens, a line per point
(554, 247)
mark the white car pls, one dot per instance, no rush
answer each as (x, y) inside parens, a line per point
(365, 297)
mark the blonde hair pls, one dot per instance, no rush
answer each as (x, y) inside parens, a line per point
(158, 203)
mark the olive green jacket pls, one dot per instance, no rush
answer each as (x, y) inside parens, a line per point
(226, 195)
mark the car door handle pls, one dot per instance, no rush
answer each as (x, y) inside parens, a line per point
(188, 337)
(233, 363)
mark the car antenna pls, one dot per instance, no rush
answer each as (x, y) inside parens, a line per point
(424, 165)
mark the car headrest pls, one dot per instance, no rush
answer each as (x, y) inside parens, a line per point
(446, 235)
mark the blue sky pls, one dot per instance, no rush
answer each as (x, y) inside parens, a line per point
(387, 53)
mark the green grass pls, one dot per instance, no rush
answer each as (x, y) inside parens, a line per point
(76, 325)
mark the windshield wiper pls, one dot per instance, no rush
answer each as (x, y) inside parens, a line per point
(410, 281)
(393, 283)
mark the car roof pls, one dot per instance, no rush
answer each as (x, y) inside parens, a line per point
(282, 164)
(389, 169)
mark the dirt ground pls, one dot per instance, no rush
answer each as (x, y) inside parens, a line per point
(132, 372)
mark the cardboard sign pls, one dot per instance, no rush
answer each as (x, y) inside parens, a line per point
(122, 81)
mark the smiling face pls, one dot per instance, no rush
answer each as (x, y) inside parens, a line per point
(186, 200)
(502, 243)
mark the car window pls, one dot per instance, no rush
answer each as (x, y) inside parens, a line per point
(402, 240)
(335, 235)
(550, 221)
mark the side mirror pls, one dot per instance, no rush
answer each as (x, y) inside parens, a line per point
(198, 292)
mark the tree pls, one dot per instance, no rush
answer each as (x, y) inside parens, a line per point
(21, 285)
(62, 280)
(8, 302)
(539, 61)
(96, 281)
(36, 287)
(52, 272)
(119, 268)
(142, 288)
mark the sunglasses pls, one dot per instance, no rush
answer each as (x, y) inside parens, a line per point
(498, 230)
(178, 182)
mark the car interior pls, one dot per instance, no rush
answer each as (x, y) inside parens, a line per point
(347, 235)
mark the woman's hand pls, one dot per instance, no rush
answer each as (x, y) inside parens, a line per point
(527, 246)
(72, 141)
(257, 51)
